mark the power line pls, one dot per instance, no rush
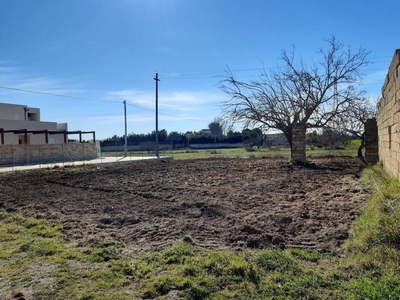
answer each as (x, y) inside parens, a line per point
(196, 75)
(152, 110)
(91, 99)
(57, 95)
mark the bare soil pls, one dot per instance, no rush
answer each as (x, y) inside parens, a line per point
(218, 203)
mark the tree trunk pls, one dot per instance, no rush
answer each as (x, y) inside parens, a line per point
(360, 148)
(288, 135)
(359, 151)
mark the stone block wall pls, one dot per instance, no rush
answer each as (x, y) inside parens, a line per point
(371, 141)
(388, 118)
(47, 153)
(299, 143)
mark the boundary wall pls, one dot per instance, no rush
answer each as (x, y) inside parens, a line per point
(388, 118)
(47, 153)
(371, 141)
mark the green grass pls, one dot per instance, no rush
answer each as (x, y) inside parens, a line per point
(354, 144)
(351, 150)
(374, 249)
(199, 274)
(32, 249)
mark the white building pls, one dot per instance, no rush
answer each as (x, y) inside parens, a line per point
(20, 124)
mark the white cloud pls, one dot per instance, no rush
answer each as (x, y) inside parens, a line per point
(179, 110)
(112, 119)
(143, 98)
(178, 101)
(119, 119)
(14, 77)
(8, 70)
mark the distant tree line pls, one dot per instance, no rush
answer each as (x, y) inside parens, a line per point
(327, 138)
(175, 138)
(330, 138)
(215, 134)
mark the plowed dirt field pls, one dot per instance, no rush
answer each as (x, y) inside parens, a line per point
(219, 203)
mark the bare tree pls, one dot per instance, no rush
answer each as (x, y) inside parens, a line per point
(216, 129)
(330, 137)
(354, 119)
(298, 94)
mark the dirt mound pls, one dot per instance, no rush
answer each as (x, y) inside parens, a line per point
(219, 203)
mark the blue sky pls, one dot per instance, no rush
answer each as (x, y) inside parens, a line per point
(109, 51)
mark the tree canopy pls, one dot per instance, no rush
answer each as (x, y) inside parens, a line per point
(216, 128)
(308, 95)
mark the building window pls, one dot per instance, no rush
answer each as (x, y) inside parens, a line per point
(390, 136)
(32, 117)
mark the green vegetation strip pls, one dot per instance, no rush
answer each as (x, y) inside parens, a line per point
(35, 259)
(351, 150)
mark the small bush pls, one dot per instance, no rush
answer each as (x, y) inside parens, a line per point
(308, 255)
(178, 253)
(47, 231)
(275, 260)
(101, 254)
(366, 288)
(41, 247)
(198, 289)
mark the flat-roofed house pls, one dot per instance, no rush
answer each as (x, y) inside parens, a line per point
(20, 124)
(25, 138)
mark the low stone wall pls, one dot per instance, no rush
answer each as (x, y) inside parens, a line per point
(30, 154)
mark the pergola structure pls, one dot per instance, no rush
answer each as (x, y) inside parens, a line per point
(46, 133)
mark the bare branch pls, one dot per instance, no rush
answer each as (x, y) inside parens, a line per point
(315, 95)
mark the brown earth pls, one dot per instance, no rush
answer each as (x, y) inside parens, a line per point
(219, 203)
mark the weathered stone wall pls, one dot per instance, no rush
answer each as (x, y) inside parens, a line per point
(45, 153)
(388, 118)
(299, 143)
(371, 141)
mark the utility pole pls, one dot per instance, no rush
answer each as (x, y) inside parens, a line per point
(157, 80)
(126, 133)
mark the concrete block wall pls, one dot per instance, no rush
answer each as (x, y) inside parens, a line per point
(388, 118)
(45, 153)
